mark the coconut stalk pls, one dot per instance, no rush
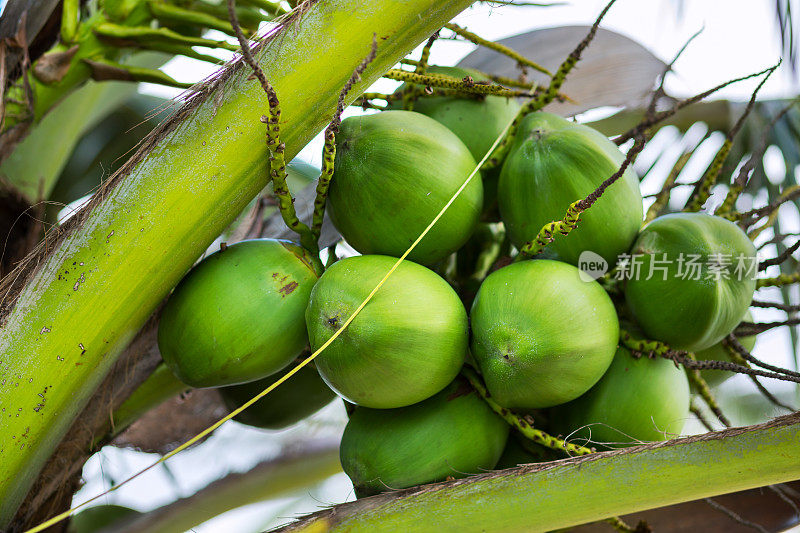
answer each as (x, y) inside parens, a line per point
(114, 262)
(561, 494)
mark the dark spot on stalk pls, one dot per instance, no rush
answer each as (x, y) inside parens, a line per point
(288, 288)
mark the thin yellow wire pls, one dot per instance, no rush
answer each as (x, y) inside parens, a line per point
(67, 513)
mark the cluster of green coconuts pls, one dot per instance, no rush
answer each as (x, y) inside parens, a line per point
(542, 337)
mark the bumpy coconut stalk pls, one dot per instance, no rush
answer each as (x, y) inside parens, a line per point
(561, 494)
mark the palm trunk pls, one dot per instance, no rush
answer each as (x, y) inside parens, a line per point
(561, 494)
(88, 297)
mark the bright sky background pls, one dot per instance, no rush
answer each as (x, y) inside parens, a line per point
(740, 37)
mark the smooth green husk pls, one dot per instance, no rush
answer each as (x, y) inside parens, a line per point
(477, 122)
(554, 162)
(302, 395)
(238, 315)
(407, 344)
(581, 490)
(453, 433)
(691, 314)
(637, 400)
(541, 335)
(138, 242)
(394, 172)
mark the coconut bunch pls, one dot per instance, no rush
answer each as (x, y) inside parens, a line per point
(541, 334)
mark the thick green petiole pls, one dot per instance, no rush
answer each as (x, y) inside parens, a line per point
(542, 497)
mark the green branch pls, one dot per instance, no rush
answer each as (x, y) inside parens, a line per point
(569, 492)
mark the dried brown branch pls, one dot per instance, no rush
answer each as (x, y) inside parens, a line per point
(776, 305)
(734, 343)
(748, 329)
(663, 115)
(780, 258)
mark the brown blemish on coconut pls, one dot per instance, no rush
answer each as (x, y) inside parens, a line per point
(287, 289)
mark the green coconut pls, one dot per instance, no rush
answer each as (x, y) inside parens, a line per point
(302, 395)
(452, 434)
(394, 172)
(477, 122)
(718, 352)
(554, 162)
(540, 334)
(636, 400)
(674, 307)
(237, 316)
(407, 343)
(100, 518)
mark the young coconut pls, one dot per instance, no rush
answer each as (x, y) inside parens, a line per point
(637, 400)
(692, 278)
(718, 352)
(454, 433)
(300, 396)
(554, 162)
(407, 344)
(237, 316)
(394, 172)
(541, 335)
(476, 120)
